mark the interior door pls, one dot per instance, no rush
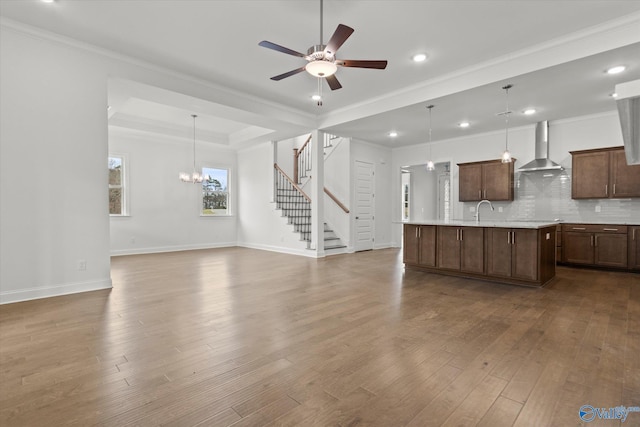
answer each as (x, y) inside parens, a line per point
(365, 218)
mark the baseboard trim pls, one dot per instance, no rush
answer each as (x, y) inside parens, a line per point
(53, 291)
(161, 249)
(301, 252)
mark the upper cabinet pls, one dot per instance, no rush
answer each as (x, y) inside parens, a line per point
(603, 173)
(492, 180)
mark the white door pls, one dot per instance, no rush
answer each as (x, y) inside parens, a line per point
(364, 206)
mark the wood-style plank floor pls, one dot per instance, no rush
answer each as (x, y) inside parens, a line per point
(252, 338)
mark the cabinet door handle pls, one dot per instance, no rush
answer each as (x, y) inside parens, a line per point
(610, 229)
(614, 189)
(606, 189)
(508, 237)
(479, 194)
(419, 232)
(578, 228)
(416, 232)
(596, 241)
(592, 240)
(457, 234)
(513, 237)
(461, 235)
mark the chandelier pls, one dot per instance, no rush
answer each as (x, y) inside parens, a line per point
(194, 177)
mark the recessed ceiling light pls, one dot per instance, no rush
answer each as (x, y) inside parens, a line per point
(48, 1)
(613, 95)
(616, 69)
(463, 124)
(529, 111)
(393, 134)
(419, 57)
(316, 97)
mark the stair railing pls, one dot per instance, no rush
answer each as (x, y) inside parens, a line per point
(335, 199)
(288, 195)
(301, 160)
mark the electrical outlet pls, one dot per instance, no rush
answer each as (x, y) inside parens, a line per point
(598, 208)
(500, 209)
(472, 208)
(82, 265)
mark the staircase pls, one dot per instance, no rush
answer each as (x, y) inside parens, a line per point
(296, 205)
(331, 241)
(297, 209)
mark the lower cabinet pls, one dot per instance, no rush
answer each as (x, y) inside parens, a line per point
(509, 255)
(419, 245)
(596, 245)
(512, 253)
(461, 248)
(634, 247)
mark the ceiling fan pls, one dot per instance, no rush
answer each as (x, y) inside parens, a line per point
(322, 61)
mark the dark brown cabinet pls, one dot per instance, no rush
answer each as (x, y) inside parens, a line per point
(513, 253)
(461, 248)
(597, 245)
(492, 180)
(634, 247)
(603, 173)
(523, 256)
(625, 179)
(419, 245)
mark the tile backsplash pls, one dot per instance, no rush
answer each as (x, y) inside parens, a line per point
(547, 196)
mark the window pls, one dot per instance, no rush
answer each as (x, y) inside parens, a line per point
(215, 192)
(406, 182)
(117, 204)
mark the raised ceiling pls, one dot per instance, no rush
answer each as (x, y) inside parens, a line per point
(554, 52)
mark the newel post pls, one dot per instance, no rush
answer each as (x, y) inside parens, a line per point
(295, 166)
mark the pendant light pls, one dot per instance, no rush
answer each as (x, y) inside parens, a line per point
(430, 165)
(506, 156)
(193, 177)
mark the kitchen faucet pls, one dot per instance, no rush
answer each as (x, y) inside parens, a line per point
(478, 209)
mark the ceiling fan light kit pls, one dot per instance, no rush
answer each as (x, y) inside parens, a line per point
(322, 62)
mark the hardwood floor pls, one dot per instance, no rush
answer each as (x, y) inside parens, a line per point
(251, 338)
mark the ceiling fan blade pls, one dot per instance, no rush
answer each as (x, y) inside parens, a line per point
(379, 65)
(333, 82)
(287, 74)
(279, 48)
(340, 35)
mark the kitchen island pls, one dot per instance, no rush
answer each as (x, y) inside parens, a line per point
(513, 252)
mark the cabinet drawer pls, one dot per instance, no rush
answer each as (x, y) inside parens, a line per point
(595, 228)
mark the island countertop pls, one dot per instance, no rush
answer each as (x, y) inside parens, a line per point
(489, 223)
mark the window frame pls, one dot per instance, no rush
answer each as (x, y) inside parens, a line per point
(229, 192)
(124, 187)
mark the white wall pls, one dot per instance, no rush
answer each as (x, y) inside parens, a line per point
(164, 213)
(260, 225)
(53, 156)
(337, 179)
(381, 159)
(53, 178)
(578, 133)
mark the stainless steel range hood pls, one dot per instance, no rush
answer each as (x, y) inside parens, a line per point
(542, 161)
(628, 102)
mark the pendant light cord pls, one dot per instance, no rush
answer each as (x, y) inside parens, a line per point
(507, 113)
(194, 141)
